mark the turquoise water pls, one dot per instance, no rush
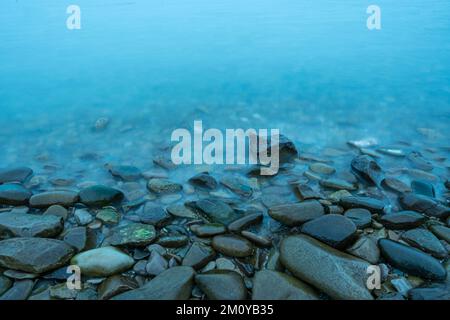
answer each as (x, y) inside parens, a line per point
(309, 68)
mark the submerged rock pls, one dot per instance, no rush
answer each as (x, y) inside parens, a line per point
(305, 192)
(338, 274)
(133, 234)
(100, 196)
(238, 185)
(425, 241)
(19, 174)
(425, 205)
(153, 214)
(395, 185)
(222, 285)
(163, 186)
(418, 161)
(411, 260)
(173, 284)
(29, 225)
(216, 210)
(21, 290)
(13, 194)
(246, 221)
(204, 180)
(368, 169)
(337, 184)
(34, 255)
(297, 213)
(198, 255)
(181, 211)
(126, 173)
(362, 218)
(423, 188)
(50, 198)
(273, 285)
(373, 205)
(402, 220)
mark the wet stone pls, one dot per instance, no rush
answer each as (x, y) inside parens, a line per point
(273, 285)
(198, 255)
(163, 186)
(366, 248)
(392, 152)
(435, 291)
(19, 174)
(208, 230)
(441, 232)
(204, 180)
(56, 210)
(115, 285)
(83, 217)
(173, 241)
(50, 198)
(101, 262)
(156, 264)
(339, 275)
(233, 246)
(108, 215)
(62, 292)
(395, 185)
(305, 192)
(411, 260)
(13, 194)
(362, 218)
(297, 213)
(322, 168)
(418, 161)
(216, 210)
(76, 237)
(238, 185)
(5, 284)
(29, 225)
(126, 173)
(332, 229)
(258, 240)
(425, 205)
(181, 211)
(133, 234)
(100, 196)
(34, 255)
(337, 184)
(153, 214)
(371, 204)
(19, 275)
(21, 290)
(402, 220)
(425, 241)
(173, 284)
(245, 222)
(222, 285)
(368, 169)
(423, 188)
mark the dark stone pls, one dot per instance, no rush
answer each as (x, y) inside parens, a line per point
(173, 241)
(173, 284)
(198, 255)
(133, 234)
(181, 211)
(153, 214)
(435, 291)
(222, 285)
(29, 225)
(50, 198)
(396, 185)
(246, 221)
(233, 246)
(425, 205)
(402, 220)
(115, 285)
(425, 241)
(21, 290)
(126, 173)
(57, 211)
(297, 213)
(100, 196)
(351, 202)
(441, 232)
(216, 210)
(286, 149)
(332, 229)
(76, 237)
(238, 185)
(337, 184)
(5, 284)
(163, 186)
(305, 192)
(258, 240)
(34, 255)
(19, 174)
(204, 180)
(419, 162)
(411, 260)
(208, 230)
(13, 194)
(362, 218)
(367, 168)
(422, 187)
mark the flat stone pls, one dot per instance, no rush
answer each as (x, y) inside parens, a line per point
(100, 196)
(441, 232)
(153, 214)
(163, 186)
(332, 229)
(126, 173)
(181, 211)
(173, 284)
(419, 162)
(173, 241)
(245, 221)
(233, 246)
(371, 204)
(133, 234)
(362, 218)
(108, 215)
(115, 285)
(258, 240)
(286, 148)
(435, 291)
(366, 248)
(297, 213)
(368, 169)
(337, 184)
(76, 237)
(395, 185)
(50, 198)
(425, 241)
(392, 152)
(56, 210)
(156, 264)
(19, 174)
(273, 285)
(238, 185)
(13, 194)
(423, 188)
(21, 290)
(198, 256)
(338, 274)
(338, 195)
(62, 292)
(425, 205)
(5, 284)
(102, 262)
(216, 211)
(208, 230)
(29, 225)
(19, 275)
(305, 192)
(83, 217)
(411, 260)
(204, 180)
(34, 255)
(402, 220)
(222, 285)
(322, 168)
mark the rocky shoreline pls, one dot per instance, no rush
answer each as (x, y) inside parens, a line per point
(311, 232)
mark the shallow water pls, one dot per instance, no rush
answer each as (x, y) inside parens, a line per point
(313, 70)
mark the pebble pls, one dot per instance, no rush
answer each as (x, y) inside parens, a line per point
(198, 255)
(204, 180)
(337, 184)
(258, 240)
(29, 225)
(425, 241)
(100, 196)
(368, 169)
(163, 186)
(20, 290)
(425, 205)
(133, 234)
(56, 210)
(13, 194)
(222, 285)
(108, 215)
(153, 214)
(83, 217)
(208, 230)
(246, 221)
(237, 185)
(156, 264)
(435, 291)
(332, 229)
(115, 285)
(362, 218)
(419, 162)
(297, 213)
(371, 204)
(50, 198)
(232, 245)
(402, 220)
(126, 173)
(366, 248)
